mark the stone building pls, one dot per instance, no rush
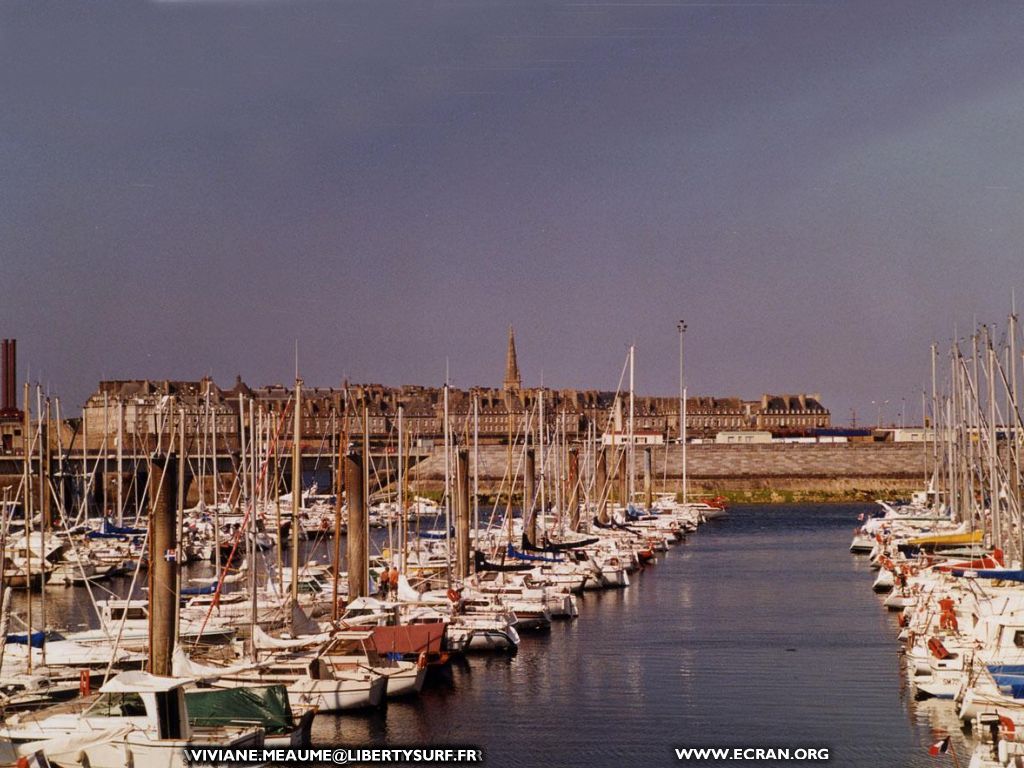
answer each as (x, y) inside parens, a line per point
(147, 408)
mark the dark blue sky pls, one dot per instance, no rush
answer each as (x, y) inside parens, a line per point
(820, 189)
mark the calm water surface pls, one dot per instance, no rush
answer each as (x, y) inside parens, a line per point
(760, 630)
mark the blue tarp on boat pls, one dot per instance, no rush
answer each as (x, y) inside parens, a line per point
(436, 534)
(991, 573)
(1006, 669)
(110, 527)
(207, 590)
(1014, 686)
(38, 638)
(515, 554)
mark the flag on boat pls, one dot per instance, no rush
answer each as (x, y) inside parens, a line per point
(939, 747)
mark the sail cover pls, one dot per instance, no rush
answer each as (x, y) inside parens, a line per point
(183, 666)
(991, 573)
(264, 642)
(517, 555)
(482, 564)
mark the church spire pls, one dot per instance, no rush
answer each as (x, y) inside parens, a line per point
(513, 382)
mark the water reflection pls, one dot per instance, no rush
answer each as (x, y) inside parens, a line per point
(761, 629)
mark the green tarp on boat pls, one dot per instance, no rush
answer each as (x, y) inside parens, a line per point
(265, 706)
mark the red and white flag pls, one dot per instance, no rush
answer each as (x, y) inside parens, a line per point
(939, 747)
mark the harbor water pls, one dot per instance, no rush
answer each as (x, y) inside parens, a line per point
(760, 631)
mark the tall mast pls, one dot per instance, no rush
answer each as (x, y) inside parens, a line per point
(935, 413)
(1012, 423)
(120, 461)
(682, 405)
(253, 587)
(44, 506)
(403, 524)
(447, 482)
(631, 451)
(993, 475)
(216, 504)
(339, 468)
(179, 517)
(542, 432)
(476, 463)
(296, 487)
(26, 431)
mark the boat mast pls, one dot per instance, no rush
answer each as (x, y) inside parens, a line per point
(1013, 422)
(216, 501)
(26, 431)
(935, 434)
(476, 463)
(179, 516)
(120, 461)
(447, 482)
(682, 406)
(253, 605)
(44, 506)
(403, 523)
(339, 468)
(542, 433)
(296, 487)
(631, 452)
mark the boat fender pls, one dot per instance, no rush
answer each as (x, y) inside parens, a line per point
(84, 683)
(421, 661)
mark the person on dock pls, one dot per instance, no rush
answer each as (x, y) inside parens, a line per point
(392, 583)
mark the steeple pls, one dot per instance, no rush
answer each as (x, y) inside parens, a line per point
(513, 382)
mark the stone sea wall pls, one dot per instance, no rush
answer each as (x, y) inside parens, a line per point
(776, 472)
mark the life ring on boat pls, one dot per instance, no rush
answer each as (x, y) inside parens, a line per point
(454, 595)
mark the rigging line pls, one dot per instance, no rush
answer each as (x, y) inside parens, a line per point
(250, 509)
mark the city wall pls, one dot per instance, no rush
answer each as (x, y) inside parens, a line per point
(777, 472)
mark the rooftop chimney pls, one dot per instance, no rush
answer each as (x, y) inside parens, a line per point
(8, 376)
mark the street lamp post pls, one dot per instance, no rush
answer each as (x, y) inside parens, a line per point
(681, 326)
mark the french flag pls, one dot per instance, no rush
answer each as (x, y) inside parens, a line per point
(939, 747)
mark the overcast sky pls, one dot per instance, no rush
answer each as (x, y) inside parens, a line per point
(820, 189)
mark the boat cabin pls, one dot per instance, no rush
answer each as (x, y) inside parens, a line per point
(156, 704)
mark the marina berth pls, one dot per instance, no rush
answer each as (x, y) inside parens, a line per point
(253, 614)
(951, 559)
